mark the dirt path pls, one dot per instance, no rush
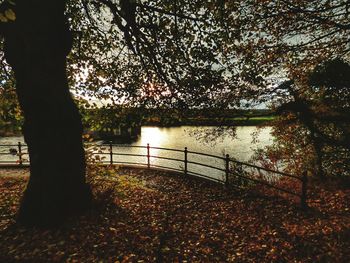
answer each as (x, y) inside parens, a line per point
(148, 216)
(14, 172)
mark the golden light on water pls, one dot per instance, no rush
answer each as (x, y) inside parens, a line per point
(152, 135)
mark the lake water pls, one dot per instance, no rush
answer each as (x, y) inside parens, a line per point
(241, 147)
(180, 137)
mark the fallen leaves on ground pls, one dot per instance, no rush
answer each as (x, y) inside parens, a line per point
(149, 216)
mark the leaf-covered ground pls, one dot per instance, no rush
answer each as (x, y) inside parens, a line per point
(148, 216)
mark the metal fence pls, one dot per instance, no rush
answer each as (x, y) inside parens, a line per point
(233, 172)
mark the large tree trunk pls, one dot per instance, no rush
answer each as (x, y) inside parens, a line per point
(36, 46)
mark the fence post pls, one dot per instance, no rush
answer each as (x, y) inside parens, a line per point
(148, 156)
(227, 170)
(303, 197)
(185, 160)
(20, 161)
(110, 153)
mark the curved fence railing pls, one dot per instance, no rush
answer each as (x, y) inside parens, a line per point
(222, 169)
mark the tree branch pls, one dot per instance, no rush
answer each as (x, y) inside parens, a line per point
(161, 11)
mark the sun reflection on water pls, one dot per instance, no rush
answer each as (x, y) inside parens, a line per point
(152, 135)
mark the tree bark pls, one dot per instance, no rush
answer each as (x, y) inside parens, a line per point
(36, 46)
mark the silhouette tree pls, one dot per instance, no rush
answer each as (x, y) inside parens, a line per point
(312, 131)
(37, 41)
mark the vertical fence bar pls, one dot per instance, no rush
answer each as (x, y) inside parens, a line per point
(185, 160)
(110, 153)
(227, 170)
(20, 161)
(303, 197)
(148, 156)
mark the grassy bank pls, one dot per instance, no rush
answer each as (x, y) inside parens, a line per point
(148, 216)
